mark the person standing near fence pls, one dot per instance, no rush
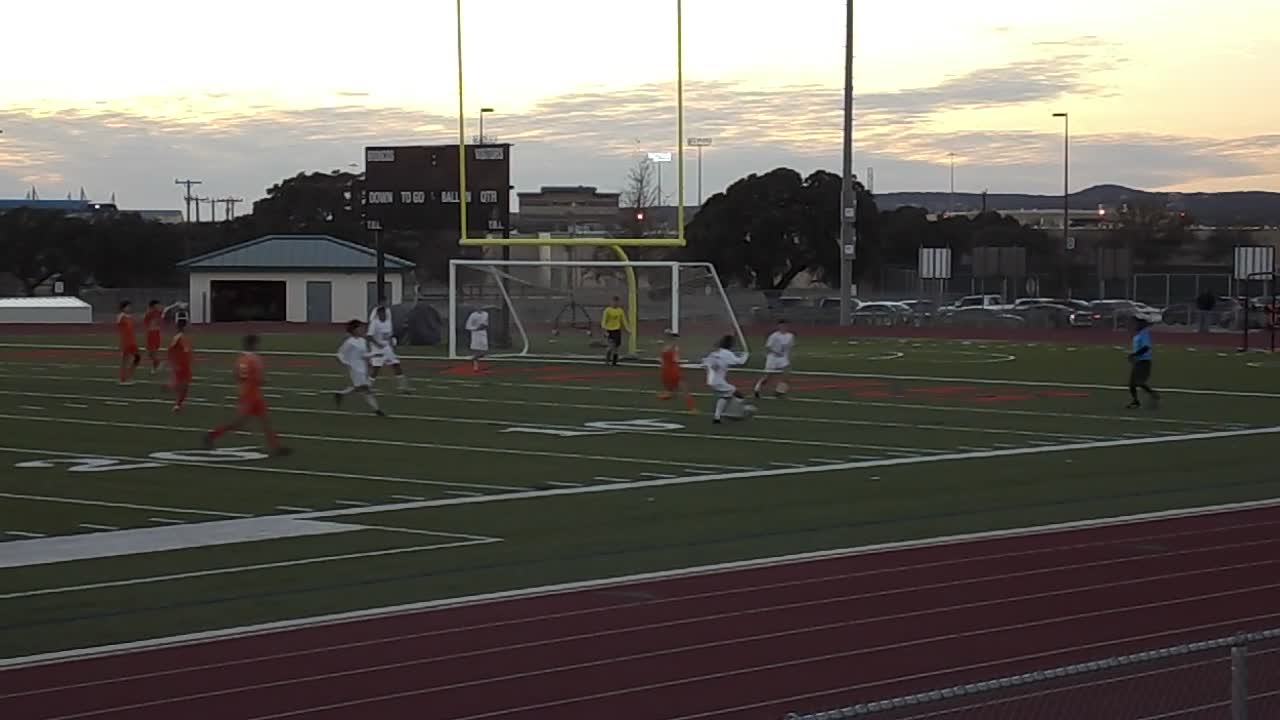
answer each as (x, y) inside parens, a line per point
(1205, 304)
(1140, 360)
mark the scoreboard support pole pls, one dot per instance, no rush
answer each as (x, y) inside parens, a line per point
(462, 139)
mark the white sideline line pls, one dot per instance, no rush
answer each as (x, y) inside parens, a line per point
(167, 521)
(34, 408)
(236, 466)
(242, 568)
(291, 508)
(805, 470)
(21, 534)
(613, 479)
(789, 464)
(622, 581)
(77, 406)
(463, 493)
(408, 497)
(358, 503)
(657, 475)
(560, 483)
(95, 526)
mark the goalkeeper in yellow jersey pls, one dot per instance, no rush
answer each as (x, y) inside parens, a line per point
(614, 321)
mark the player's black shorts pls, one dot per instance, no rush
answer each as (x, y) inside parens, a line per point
(1140, 373)
(615, 338)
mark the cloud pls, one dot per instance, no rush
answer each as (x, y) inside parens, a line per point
(593, 136)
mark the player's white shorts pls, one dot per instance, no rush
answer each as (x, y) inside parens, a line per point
(776, 363)
(480, 343)
(359, 377)
(385, 355)
(723, 389)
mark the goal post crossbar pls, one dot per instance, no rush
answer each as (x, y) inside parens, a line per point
(495, 267)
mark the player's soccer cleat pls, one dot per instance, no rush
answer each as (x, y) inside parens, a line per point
(282, 452)
(664, 396)
(177, 409)
(337, 399)
(379, 413)
(1133, 406)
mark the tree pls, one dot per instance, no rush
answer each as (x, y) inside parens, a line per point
(640, 196)
(765, 230)
(312, 203)
(35, 245)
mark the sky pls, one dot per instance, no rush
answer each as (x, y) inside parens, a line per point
(125, 97)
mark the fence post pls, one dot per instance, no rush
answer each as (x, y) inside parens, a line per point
(1239, 683)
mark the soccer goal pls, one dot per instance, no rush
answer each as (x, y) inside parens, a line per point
(552, 309)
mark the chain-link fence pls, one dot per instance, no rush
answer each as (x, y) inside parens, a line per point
(1235, 677)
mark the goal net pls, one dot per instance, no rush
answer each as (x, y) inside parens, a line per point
(552, 309)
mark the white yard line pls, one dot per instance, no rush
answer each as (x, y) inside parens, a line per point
(559, 483)
(245, 468)
(293, 508)
(618, 582)
(167, 521)
(824, 400)
(95, 526)
(21, 534)
(798, 373)
(450, 420)
(105, 503)
(408, 497)
(357, 503)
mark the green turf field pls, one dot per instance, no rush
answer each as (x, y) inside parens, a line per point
(540, 472)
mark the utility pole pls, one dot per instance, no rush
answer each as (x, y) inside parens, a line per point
(229, 206)
(212, 205)
(188, 184)
(848, 196)
(1066, 201)
(951, 198)
(700, 142)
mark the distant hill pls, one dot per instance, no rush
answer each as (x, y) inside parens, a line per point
(1225, 208)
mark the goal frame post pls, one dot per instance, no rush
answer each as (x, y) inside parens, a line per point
(627, 265)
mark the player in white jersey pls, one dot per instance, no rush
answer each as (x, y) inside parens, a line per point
(777, 359)
(478, 326)
(728, 400)
(354, 355)
(382, 341)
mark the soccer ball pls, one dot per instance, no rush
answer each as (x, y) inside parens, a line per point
(783, 388)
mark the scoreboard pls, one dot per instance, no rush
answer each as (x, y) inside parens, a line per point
(415, 187)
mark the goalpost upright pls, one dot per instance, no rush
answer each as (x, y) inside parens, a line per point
(618, 245)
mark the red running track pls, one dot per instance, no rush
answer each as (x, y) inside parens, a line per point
(753, 643)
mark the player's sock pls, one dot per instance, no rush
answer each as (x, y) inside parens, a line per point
(688, 403)
(402, 381)
(372, 400)
(218, 432)
(273, 440)
(181, 395)
(721, 404)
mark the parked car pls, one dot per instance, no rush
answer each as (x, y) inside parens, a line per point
(981, 317)
(1054, 315)
(883, 313)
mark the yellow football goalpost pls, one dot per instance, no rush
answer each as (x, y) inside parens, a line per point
(618, 245)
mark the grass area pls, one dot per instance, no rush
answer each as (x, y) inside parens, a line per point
(540, 472)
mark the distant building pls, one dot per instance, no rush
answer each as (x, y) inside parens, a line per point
(580, 210)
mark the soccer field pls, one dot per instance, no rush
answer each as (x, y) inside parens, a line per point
(115, 527)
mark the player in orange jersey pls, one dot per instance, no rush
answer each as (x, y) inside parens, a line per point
(670, 374)
(151, 326)
(129, 355)
(251, 405)
(180, 363)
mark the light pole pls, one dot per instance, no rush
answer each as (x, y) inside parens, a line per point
(699, 142)
(1066, 200)
(951, 198)
(658, 158)
(483, 112)
(848, 196)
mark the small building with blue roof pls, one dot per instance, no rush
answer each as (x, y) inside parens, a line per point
(291, 278)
